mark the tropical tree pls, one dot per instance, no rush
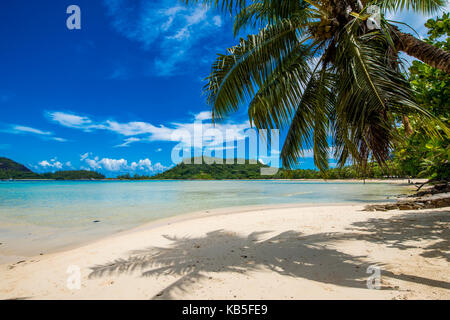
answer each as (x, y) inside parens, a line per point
(327, 69)
(420, 155)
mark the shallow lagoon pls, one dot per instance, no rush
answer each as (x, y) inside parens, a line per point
(40, 212)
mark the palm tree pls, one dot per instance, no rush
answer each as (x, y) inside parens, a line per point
(325, 68)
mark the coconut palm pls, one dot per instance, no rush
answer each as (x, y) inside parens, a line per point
(326, 68)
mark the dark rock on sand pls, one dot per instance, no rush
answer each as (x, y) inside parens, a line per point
(437, 200)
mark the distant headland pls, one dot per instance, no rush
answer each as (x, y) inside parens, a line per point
(205, 169)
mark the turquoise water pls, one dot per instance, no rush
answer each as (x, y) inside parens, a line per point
(41, 210)
(71, 204)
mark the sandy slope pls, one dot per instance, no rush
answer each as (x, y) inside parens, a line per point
(278, 253)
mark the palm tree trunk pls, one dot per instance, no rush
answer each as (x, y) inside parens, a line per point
(423, 51)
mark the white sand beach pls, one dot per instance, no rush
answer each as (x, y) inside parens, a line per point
(279, 252)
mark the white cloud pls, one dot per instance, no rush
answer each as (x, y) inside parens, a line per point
(84, 156)
(44, 163)
(31, 130)
(93, 163)
(196, 16)
(204, 115)
(138, 131)
(181, 34)
(59, 139)
(127, 142)
(169, 29)
(19, 129)
(145, 164)
(113, 164)
(158, 167)
(52, 164)
(72, 121)
(121, 165)
(130, 128)
(217, 21)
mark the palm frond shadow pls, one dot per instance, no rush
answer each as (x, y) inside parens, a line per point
(407, 230)
(289, 253)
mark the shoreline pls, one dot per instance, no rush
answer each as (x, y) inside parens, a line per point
(25, 241)
(387, 180)
(174, 219)
(211, 246)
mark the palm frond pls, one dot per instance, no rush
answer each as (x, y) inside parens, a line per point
(370, 89)
(273, 104)
(310, 121)
(322, 112)
(231, 6)
(235, 77)
(263, 12)
(420, 6)
(355, 92)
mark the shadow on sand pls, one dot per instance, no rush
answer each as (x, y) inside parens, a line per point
(289, 253)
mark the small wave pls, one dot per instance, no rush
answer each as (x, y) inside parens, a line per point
(296, 193)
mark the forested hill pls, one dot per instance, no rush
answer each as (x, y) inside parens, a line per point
(205, 171)
(8, 164)
(10, 169)
(215, 171)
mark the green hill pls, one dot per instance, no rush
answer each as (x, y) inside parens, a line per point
(205, 171)
(10, 169)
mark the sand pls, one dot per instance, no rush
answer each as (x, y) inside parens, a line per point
(320, 252)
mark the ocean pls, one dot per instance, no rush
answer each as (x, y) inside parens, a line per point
(40, 216)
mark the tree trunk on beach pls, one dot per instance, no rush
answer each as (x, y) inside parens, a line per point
(423, 51)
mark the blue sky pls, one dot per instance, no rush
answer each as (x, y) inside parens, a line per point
(110, 96)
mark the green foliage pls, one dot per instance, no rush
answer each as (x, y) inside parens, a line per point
(421, 155)
(14, 174)
(206, 171)
(320, 70)
(437, 28)
(72, 175)
(8, 164)
(10, 169)
(373, 171)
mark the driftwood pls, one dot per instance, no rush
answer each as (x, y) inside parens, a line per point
(440, 186)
